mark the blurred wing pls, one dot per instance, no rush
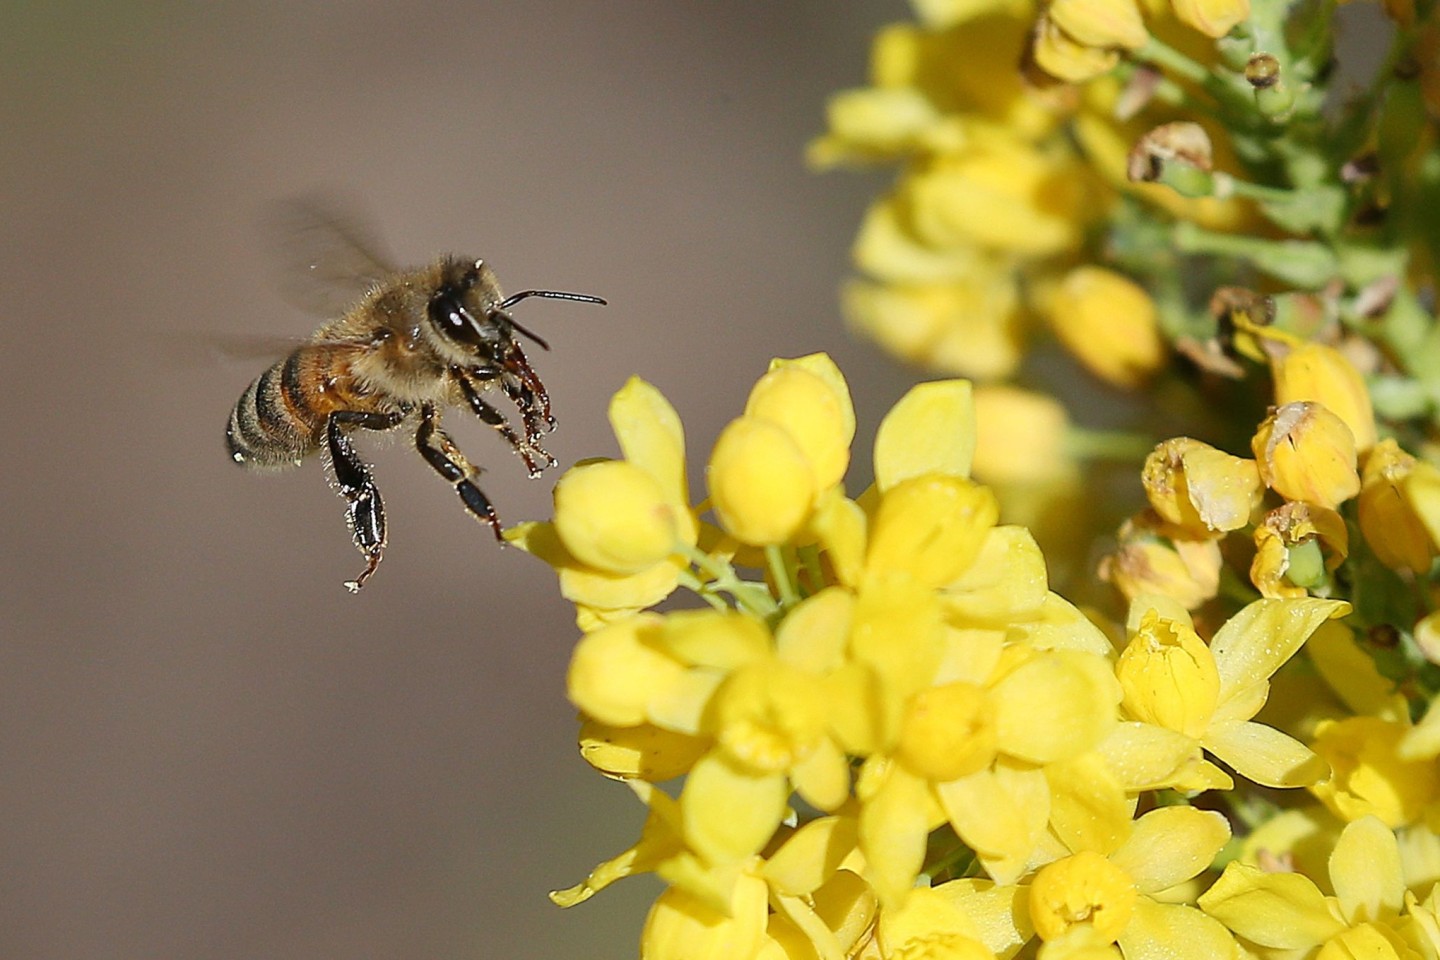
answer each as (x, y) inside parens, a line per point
(327, 253)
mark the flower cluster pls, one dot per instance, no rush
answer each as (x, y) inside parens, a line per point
(880, 732)
(899, 736)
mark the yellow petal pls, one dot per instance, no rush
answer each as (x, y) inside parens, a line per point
(894, 823)
(1001, 913)
(1283, 910)
(1315, 371)
(1254, 642)
(1175, 932)
(1001, 814)
(973, 327)
(814, 634)
(1265, 755)
(761, 483)
(1147, 757)
(929, 924)
(651, 436)
(1168, 676)
(931, 527)
(729, 813)
(616, 671)
(1007, 580)
(931, 430)
(646, 751)
(1214, 18)
(822, 776)
(807, 407)
(826, 369)
(1365, 869)
(1088, 807)
(1054, 706)
(681, 926)
(1109, 323)
(725, 641)
(613, 516)
(1170, 845)
(1307, 453)
(811, 855)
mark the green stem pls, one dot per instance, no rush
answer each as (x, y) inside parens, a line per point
(1084, 444)
(702, 590)
(754, 597)
(1173, 60)
(781, 572)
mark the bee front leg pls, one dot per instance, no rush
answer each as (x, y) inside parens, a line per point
(528, 448)
(364, 510)
(446, 459)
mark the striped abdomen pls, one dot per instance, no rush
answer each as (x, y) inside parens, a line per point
(280, 418)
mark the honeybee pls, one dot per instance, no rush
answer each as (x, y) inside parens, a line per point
(415, 343)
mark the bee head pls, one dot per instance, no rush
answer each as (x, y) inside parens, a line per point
(468, 313)
(465, 308)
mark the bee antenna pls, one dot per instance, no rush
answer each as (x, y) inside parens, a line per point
(510, 301)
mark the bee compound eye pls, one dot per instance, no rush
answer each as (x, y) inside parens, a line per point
(451, 318)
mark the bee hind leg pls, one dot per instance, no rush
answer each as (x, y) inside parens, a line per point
(446, 459)
(364, 510)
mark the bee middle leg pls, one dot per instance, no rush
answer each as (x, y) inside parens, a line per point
(446, 459)
(364, 510)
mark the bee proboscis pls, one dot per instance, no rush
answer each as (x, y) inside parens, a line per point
(416, 343)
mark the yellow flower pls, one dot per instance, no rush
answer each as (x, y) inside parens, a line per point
(1208, 694)
(1307, 453)
(1109, 323)
(608, 539)
(1110, 894)
(769, 466)
(1287, 911)
(1369, 773)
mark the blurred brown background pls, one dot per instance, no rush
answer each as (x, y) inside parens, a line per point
(207, 747)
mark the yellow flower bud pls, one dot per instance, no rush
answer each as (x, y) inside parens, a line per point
(1065, 58)
(761, 483)
(949, 732)
(1019, 436)
(1214, 18)
(1187, 571)
(1307, 453)
(1392, 528)
(1201, 489)
(1316, 372)
(1296, 546)
(613, 516)
(1101, 23)
(1108, 323)
(814, 414)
